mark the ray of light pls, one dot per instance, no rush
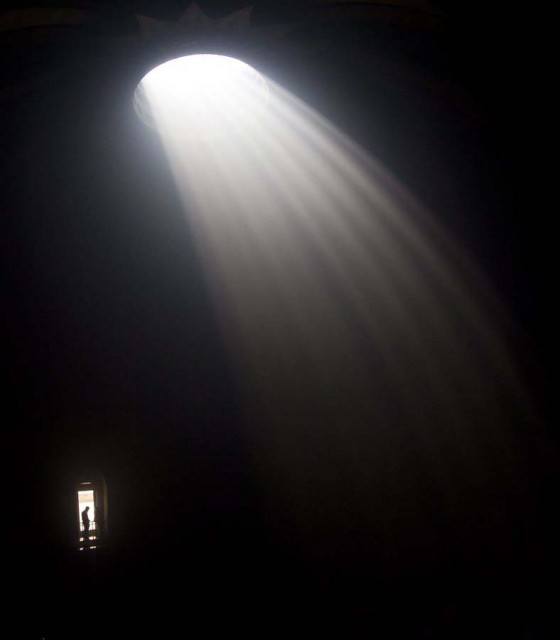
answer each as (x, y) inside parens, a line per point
(370, 353)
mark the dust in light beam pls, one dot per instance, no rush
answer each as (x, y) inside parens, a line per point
(369, 352)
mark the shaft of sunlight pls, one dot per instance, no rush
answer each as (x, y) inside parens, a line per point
(360, 333)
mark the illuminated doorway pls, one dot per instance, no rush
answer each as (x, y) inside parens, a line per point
(91, 513)
(86, 518)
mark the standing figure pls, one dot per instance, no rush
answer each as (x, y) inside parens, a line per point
(85, 522)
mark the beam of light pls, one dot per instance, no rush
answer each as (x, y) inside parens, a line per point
(371, 356)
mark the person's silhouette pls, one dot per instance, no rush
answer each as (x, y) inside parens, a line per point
(85, 522)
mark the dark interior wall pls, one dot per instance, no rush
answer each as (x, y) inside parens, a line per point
(114, 360)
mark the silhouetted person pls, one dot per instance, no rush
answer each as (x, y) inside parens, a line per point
(85, 522)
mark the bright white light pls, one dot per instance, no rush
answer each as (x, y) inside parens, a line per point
(363, 338)
(86, 499)
(201, 89)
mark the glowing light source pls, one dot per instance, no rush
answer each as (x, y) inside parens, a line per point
(86, 499)
(202, 87)
(354, 322)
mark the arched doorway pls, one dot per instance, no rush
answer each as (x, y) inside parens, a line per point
(91, 511)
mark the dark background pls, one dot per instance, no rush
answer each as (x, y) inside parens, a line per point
(113, 360)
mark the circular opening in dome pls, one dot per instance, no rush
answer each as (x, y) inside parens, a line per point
(203, 87)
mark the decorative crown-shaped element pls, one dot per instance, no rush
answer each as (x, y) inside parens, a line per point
(194, 22)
